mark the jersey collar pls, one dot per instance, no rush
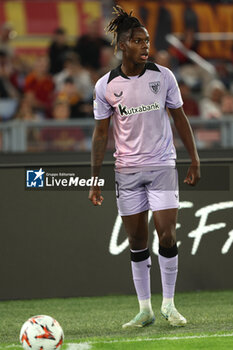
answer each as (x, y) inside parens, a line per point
(117, 71)
(148, 66)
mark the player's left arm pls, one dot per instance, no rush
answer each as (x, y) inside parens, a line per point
(185, 132)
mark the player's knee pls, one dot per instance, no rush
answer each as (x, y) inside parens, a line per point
(137, 243)
(167, 239)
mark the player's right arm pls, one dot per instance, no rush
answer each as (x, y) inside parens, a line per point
(99, 144)
(102, 113)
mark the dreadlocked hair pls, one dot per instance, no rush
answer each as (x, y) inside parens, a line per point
(121, 24)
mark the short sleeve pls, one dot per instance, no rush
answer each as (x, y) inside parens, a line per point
(173, 98)
(102, 109)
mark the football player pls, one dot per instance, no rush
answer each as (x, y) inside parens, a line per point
(136, 95)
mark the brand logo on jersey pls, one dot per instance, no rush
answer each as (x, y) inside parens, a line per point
(124, 110)
(118, 95)
(155, 86)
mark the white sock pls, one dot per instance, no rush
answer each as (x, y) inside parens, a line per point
(169, 270)
(145, 305)
(141, 264)
(167, 301)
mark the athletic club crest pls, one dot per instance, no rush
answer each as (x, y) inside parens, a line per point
(155, 86)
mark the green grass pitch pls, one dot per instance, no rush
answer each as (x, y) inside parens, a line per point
(95, 323)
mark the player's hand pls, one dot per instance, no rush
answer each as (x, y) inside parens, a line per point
(193, 174)
(95, 195)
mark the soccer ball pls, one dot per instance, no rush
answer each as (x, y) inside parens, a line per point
(41, 333)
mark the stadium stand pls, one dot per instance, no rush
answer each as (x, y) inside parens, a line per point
(34, 88)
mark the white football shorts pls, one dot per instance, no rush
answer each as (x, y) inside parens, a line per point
(144, 190)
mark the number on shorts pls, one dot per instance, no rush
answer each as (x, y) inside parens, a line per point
(117, 189)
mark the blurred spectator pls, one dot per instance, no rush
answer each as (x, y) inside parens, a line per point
(90, 46)
(39, 87)
(225, 73)
(80, 76)
(191, 27)
(227, 104)
(164, 27)
(26, 111)
(64, 138)
(8, 93)
(70, 93)
(108, 62)
(61, 109)
(57, 50)
(7, 90)
(190, 105)
(213, 2)
(163, 58)
(20, 69)
(8, 108)
(210, 106)
(6, 33)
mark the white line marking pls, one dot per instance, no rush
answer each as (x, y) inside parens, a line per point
(78, 346)
(88, 345)
(204, 336)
